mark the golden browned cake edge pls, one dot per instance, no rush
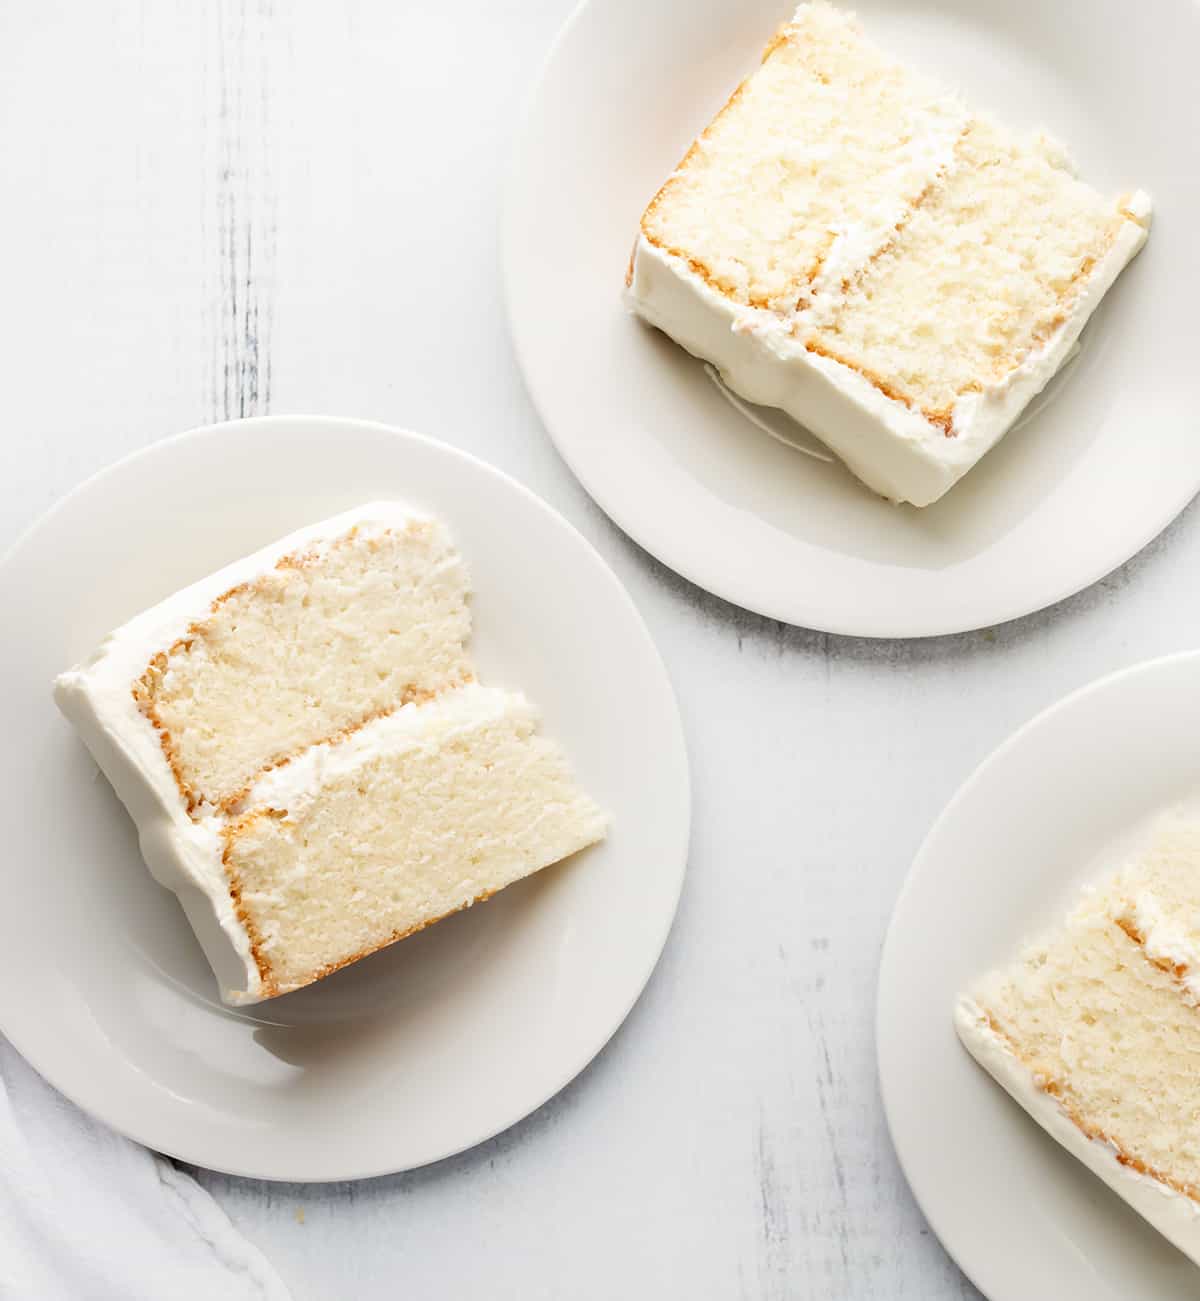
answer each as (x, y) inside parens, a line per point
(1060, 1091)
(145, 688)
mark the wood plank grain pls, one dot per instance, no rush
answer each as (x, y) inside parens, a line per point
(246, 39)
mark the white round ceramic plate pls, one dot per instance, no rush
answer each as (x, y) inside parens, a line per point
(1048, 811)
(1111, 455)
(432, 1045)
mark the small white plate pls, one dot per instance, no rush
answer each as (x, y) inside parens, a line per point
(432, 1045)
(1111, 456)
(1042, 815)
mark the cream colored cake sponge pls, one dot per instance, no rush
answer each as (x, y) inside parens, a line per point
(1095, 1030)
(311, 636)
(849, 242)
(321, 641)
(361, 842)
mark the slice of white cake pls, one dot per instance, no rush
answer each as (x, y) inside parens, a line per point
(848, 242)
(309, 763)
(1095, 1031)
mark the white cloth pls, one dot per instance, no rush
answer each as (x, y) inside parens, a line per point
(86, 1215)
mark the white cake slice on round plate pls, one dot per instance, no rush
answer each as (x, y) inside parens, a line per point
(1095, 1031)
(848, 242)
(310, 763)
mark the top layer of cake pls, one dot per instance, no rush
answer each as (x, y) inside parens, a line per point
(367, 614)
(846, 201)
(1096, 1029)
(810, 166)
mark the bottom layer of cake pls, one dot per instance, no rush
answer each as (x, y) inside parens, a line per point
(359, 843)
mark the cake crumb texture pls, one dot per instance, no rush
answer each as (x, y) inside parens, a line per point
(316, 646)
(441, 805)
(824, 134)
(849, 204)
(979, 275)
(1102, 1012)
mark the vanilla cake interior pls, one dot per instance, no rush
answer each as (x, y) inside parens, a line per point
(308, 758)
(326, 639)
(426, 811)
(1095, 1029)
(849, 242)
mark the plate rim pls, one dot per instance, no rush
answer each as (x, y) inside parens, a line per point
(962, 793)
(20, 1041)
(659, 546)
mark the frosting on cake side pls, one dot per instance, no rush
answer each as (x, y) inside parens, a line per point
(182, 845)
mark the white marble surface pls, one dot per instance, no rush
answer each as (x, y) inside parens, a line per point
(220, 208)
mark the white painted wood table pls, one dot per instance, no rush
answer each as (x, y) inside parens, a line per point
(222, 208)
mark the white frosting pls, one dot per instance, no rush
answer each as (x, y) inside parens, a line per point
(890, 447)
(1175, 1216)
(1166, 940)
(97, 697)
(411, 727)
(929, 155)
